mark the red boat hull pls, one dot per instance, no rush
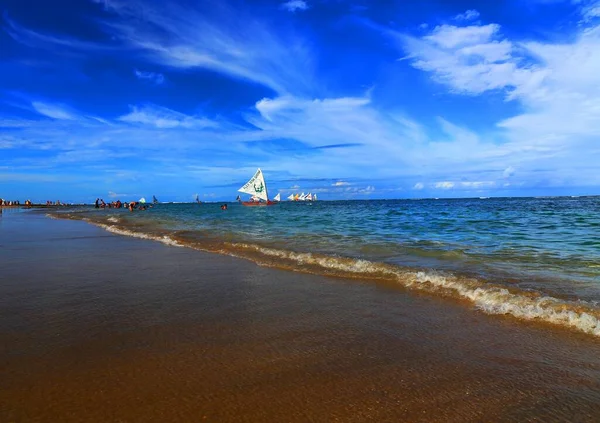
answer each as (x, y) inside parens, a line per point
(255, 203)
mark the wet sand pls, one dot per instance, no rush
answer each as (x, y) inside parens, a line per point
(99, 327)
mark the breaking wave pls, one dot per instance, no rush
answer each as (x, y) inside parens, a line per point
(484, 295)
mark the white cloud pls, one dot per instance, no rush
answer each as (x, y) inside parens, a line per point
(470, 60)
(467, 15)
(450, 36)
(36, 40)
(222, 39)
(154, 77)
(556, 84)
(293, 5)
(589, 9)
(367, 190)
(54, 111)
(161, 117)
(112, 194)
(444, 185)
(477, 184)
(419, 186)
(508, 172)
(339, 184)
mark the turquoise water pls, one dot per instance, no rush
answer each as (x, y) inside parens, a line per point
(502, 254)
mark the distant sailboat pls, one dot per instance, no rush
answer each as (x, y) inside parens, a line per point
(277, 198)
(303, 197)
(142, 200)
(154, 200)
(197, 199)
(257, 188)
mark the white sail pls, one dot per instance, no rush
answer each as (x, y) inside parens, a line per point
(256, 186)
(302, 197)
(291, 197)
(142, 200)
(277, 197)
(309, 197)
(314, 197)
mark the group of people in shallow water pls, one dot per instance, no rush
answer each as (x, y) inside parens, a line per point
(9, 203)
(132, 205)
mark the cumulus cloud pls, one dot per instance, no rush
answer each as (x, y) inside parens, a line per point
(556, 85)
(444, 185)
(419, 186)
(471, 59)
(293, 5)
(467, 15)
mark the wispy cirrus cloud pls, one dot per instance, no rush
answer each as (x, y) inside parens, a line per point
(589, 9)
(163, 118)
(153, 77)
(215, 37)
(41, 40)
(54, 111)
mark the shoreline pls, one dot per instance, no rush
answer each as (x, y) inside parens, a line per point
(486, 294)
(101, 327)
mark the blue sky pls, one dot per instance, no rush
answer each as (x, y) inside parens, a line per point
(346, 99)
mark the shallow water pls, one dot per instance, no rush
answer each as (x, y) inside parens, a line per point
(533, 258)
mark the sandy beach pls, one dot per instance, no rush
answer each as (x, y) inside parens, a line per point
(101, 327)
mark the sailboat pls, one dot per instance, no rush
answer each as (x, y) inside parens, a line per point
(197, 199)
(154, 200)
(277, 198)
(257, 188)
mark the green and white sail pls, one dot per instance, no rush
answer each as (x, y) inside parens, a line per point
(256, 186)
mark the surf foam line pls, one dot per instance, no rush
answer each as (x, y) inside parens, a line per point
(580, 315)
(165, 239)
(495, 300)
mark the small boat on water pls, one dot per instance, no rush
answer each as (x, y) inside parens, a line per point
(154, 200)
(257, 188)
(303, 197)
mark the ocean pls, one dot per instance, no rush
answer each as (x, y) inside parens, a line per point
(530, 258)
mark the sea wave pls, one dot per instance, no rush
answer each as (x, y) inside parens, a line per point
(579, 315)
(484, 295)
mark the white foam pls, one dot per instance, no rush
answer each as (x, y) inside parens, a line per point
(164, 239)
(581, 315)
